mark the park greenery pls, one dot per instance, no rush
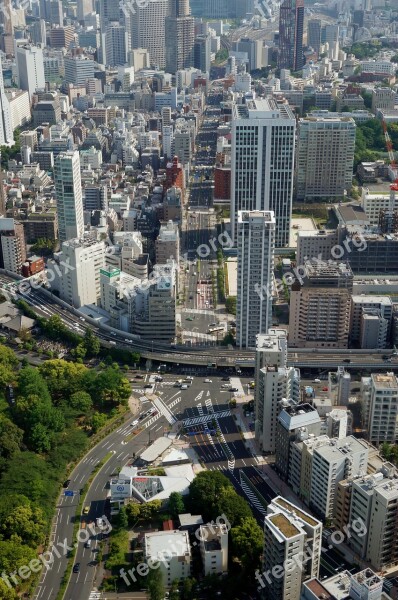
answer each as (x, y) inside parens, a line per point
(370, 142)
(56, 407)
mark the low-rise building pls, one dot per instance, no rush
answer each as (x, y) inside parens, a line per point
(214, 549)
(172, 550)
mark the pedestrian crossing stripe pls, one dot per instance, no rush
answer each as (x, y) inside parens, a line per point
(206, 418)
(253, 498)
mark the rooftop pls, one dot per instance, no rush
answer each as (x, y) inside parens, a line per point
(284, 525)
(176, 543)
(386, 381)
(293, 508)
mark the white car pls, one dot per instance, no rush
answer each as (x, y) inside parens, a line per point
(317, 381)
(208, 381)
(134, 423)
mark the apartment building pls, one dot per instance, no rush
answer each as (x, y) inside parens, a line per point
(167, 244)
(300, 474)
(374, 203)
(68, 190)
(380, 306)
(274, 382)
(380, 401)
(78, 69)
(316, 244)
(383, 98)
(294, 420)
(12, 245)
(288, 535)
(256, 245)
(172, 550)
(214, 549)
(325, 157)
(320, 307)
(331, 463)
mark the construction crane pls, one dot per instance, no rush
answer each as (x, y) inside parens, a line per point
(388, 219)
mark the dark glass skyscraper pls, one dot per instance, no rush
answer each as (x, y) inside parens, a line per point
(291, 27)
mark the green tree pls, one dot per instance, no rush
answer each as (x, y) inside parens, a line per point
(247, 543)
(188, 588)
(40, 438)
(150, 509)
(122, 519)
(14, 555)
(7, 593)
(81, 401)
(230, 305)
(11, 438)
(98, 420)
(79, 353)
(155, 584)
(176, 504)
(233, 506)
(91, 343)
(26, 522)
(63, 378)
(133, 513)
(205, 492)
(44, 246)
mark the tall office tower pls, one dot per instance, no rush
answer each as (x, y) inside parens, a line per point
(95, 197)
(320, 307)
(202, 53)
(7, 36)
(380, 401)
(256, 247)
(30, 68)
(148, 29)
(115, 45)
(289, 533)
(68, 189)
(109, 13)
(325, 157)
(263, 138)
(38, 32)
(6, 130)
(84, 8)
(291, 29)
(179, 37)
(314, 34)
(78, 69)
(274, 382)
(56, 12)
(12, 245)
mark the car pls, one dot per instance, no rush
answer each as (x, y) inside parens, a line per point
(232, 389)
(191, 297)
(184, 386)
(82, 319)
(67, 483)
(139, 376)
(325, 389)
(158, 379)
(76, 567)
(213, 324)
(87, 544)
(385, 357)
(134, 423)
(224, 378)
(317, 381)
(189, 319)
(86, 510)
(141, 417)
(147, 386)
(347, 360)
(208, 381)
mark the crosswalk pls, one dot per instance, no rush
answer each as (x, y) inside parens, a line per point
(206, 418)
(95, 595)
(176, 401)
(164, 410)
(252, 497)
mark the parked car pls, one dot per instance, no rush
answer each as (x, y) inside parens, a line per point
(76, 567)
(67, 483)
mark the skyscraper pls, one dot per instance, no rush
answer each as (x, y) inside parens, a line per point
(291, 29)
(314, 34)
(179, 37)
(30, 68)
(115, 45)
(7, 36)
(263, 135)
(6, 131)
(68, 187)
(148, 29)
(325, 157)
(256, 246)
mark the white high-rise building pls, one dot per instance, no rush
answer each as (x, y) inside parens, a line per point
(148, 29)
(76, 271)
(293, 542)
(274, 382)
(263, 138)
(78, 69)
(256, 246)
(380, 404)
(68, 188)
(6, 130)
(30, 68)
